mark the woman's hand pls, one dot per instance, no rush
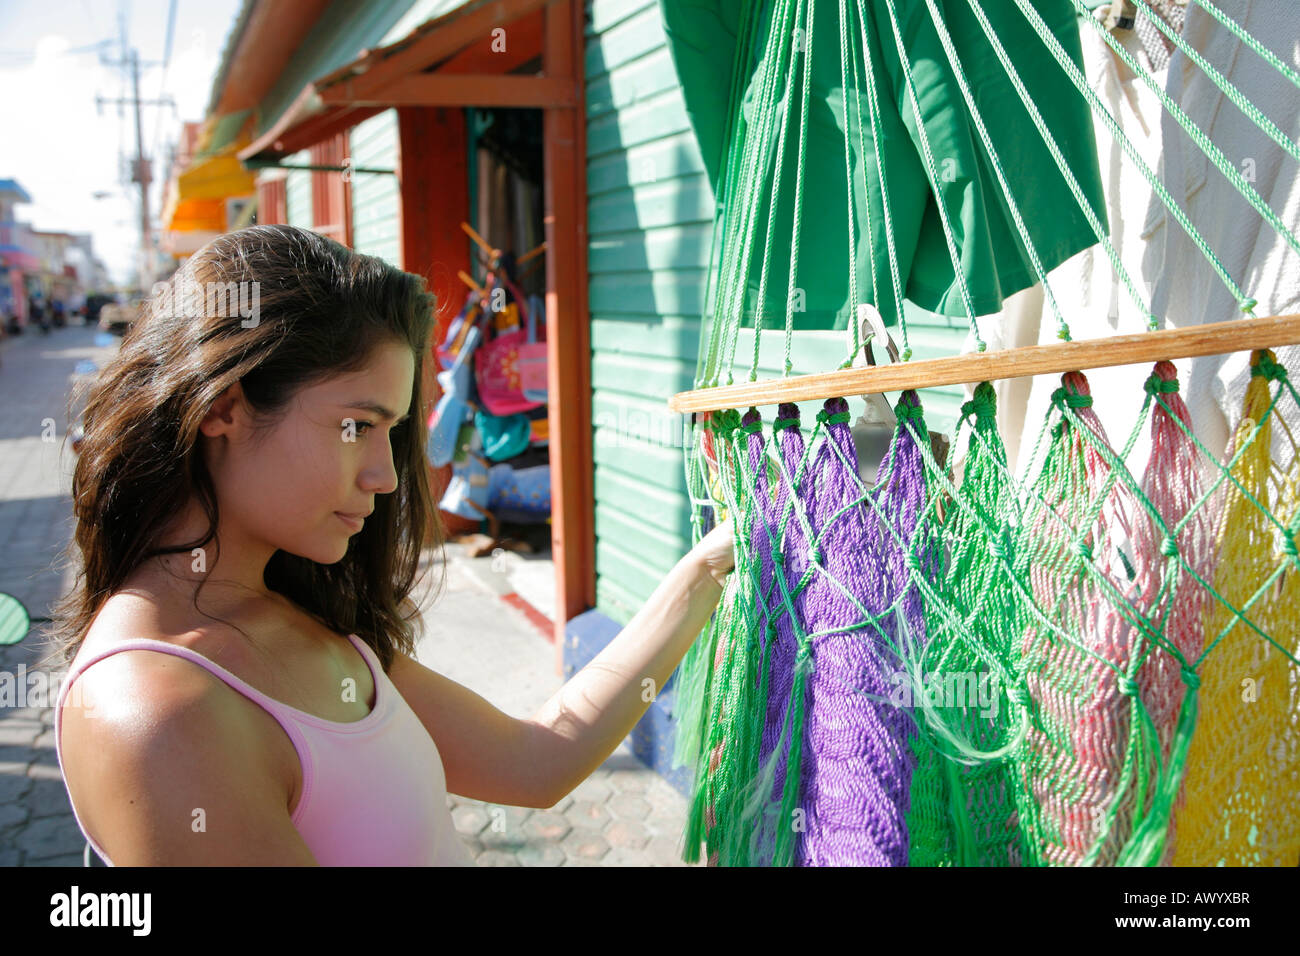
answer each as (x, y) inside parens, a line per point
(716, 552)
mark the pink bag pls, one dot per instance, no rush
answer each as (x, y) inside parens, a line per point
(497, 367)
(532, 356)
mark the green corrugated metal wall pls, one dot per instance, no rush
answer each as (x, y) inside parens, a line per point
(649, 215)
(375, 200)
(297, 191)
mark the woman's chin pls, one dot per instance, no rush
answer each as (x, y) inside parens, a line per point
(331, 553)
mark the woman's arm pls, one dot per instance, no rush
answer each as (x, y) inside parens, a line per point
(589, 716)
(492, 756)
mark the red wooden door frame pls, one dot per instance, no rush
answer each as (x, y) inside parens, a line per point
(334, 103)
(568, 329)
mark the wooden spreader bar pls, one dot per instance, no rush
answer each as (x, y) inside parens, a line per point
(1167, 344)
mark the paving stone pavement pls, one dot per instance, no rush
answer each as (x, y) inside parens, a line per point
(624, 814)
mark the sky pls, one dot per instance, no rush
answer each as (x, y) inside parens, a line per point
(53, 141)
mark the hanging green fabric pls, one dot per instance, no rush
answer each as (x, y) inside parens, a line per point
(708, 41)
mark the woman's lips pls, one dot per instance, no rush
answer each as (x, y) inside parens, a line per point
(354, 523)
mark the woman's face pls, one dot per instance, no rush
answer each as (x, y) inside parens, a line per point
(330, 455)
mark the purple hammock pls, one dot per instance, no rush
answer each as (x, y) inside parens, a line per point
(856, 761)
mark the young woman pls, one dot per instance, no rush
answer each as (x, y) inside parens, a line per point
(251, 500)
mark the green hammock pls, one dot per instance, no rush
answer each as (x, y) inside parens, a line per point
(1049, 638)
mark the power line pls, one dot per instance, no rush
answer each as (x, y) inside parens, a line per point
(29, 56)
(141, 173)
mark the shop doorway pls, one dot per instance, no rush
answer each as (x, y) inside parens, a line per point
(497, 501)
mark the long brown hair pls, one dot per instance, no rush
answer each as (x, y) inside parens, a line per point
(320, 310)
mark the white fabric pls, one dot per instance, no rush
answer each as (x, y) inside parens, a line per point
(1167, 269)
(1089, 295)
(1186, 289)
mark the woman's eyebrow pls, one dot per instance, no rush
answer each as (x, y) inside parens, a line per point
(379, 410)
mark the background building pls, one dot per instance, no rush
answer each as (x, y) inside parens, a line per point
(41, 267)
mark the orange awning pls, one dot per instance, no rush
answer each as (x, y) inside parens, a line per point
(192, 215)
(196, 199)
(216, 178)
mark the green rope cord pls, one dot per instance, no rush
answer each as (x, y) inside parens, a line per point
(1081, 83)
(848, 185)
(932, 175)
(729, 173)
(1250, 41)
(837, 418)
(1102, 234)
(788, 366)
(908, 413)
(1063, 329)
(1071, 398)
(733, 269)
(1266, 367)
(776, 193)
(873, 109)
(750, 205)
(1207, 146)
(1155, 384)
(852, 55)
(731, 721)
(1234, 94)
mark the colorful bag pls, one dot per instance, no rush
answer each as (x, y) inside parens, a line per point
(497, 368)
(522, 495)
(532, 356)
(502, 437)
(452, 405)
(467, 493)
(458, 330)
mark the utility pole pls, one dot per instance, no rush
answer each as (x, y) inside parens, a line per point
(142, 177)
(140, 168)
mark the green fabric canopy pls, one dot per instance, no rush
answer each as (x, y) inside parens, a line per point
(719, 75)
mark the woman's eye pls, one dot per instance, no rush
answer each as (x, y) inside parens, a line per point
(360, 426)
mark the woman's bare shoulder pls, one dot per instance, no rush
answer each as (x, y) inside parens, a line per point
(135, 683)
(140, 722)
(150, 738)
(138, 688)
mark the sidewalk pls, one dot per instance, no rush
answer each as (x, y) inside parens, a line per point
(623, 815)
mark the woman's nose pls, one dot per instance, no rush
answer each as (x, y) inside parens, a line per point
(381, 476)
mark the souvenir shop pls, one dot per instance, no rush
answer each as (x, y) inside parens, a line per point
(490, 424)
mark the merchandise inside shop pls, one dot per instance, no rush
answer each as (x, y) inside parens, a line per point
(488, 431)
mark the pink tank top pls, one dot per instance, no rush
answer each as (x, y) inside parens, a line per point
(374, 792)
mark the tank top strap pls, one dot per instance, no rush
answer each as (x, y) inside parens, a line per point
(367, 652)
(280, 712)
(283, 714)
(149, 644)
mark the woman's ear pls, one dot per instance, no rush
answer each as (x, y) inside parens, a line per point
(228, 414)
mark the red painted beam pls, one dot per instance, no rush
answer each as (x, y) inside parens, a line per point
(439, 39)
(568, 328)
(459, 89)
(434, 184)
(506, 52)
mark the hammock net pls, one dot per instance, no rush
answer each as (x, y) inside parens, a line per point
(925, 656)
